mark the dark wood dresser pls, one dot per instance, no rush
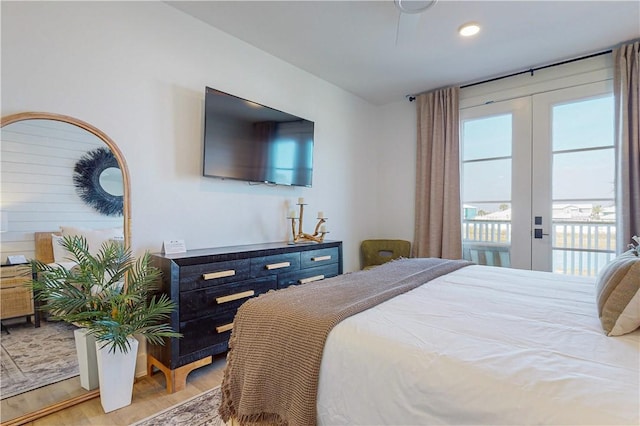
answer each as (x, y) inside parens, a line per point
(209, 285)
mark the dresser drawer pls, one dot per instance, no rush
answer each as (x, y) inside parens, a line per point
(220, 299)
(15, 297)
(204, 332)
(194, 277)
(313, 258)
(308, 275)
(277, 264)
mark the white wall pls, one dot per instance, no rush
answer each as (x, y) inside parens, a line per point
(397, 170)
(137, 71)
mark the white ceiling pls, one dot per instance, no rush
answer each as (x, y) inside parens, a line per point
(352, 44)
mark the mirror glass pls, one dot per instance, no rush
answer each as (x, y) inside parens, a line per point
(111, 181)
(40, 153)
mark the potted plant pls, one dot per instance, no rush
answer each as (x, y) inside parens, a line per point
(111, 296)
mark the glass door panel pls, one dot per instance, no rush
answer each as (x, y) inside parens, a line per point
(581, 175)
(538, 181)
(489, 157)
(583, 186)
(487, 180)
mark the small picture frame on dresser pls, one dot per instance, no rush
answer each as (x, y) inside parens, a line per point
(19, 259)
(174, 246)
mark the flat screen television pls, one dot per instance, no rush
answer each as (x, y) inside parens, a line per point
(247, 141)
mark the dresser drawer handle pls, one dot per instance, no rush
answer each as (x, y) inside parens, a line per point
(278, 265)
(311, 279)
(219, 274)
(224, 328)
(236, 296)
(320, 258)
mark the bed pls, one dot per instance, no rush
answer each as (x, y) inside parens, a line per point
(476, 345)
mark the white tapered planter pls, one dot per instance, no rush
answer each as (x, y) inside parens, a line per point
(87, 363)
(116, 372)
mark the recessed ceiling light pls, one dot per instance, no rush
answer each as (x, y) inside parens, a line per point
(469, 29)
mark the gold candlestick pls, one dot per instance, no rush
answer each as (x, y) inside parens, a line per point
(302, 237)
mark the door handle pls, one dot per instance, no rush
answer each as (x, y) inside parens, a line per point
(537, 233)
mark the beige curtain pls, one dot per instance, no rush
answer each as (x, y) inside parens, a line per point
(626, 90)
(438, 221)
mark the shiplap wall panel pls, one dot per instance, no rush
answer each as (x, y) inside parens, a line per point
(51, 198)
(37, 191)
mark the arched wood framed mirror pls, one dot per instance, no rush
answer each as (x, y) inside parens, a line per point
(39, 152)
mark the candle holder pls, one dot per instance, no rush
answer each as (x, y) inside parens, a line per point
(301, 237)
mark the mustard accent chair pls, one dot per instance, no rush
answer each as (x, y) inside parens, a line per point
(377, 252)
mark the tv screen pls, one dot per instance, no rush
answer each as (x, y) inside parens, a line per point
(247, 141)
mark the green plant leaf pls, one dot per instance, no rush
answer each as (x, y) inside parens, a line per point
(93, 294)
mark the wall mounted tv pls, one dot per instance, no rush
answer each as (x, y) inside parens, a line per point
(247, 141)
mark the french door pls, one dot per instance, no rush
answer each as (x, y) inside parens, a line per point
(538, 181)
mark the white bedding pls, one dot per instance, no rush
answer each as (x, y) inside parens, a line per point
(482, 345)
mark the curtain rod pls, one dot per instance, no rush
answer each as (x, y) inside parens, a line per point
(529, 71)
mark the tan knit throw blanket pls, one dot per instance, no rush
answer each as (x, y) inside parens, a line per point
(278, 338)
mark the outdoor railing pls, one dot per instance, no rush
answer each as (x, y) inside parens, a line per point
(579, 248)
(486, 242)
(582, 248)
(486, 231)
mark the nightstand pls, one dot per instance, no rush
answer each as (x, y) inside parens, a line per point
(16, 299)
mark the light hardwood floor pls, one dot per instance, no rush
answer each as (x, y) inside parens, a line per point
(149, 397)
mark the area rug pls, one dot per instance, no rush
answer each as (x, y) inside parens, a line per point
(34, 357)
(199, 410)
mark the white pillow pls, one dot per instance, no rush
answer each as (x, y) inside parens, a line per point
(60, 254)
(95, 237)
(618, 295)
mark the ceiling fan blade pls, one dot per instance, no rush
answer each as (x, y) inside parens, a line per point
(407, 27)
(414, 6)
(409, 15)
